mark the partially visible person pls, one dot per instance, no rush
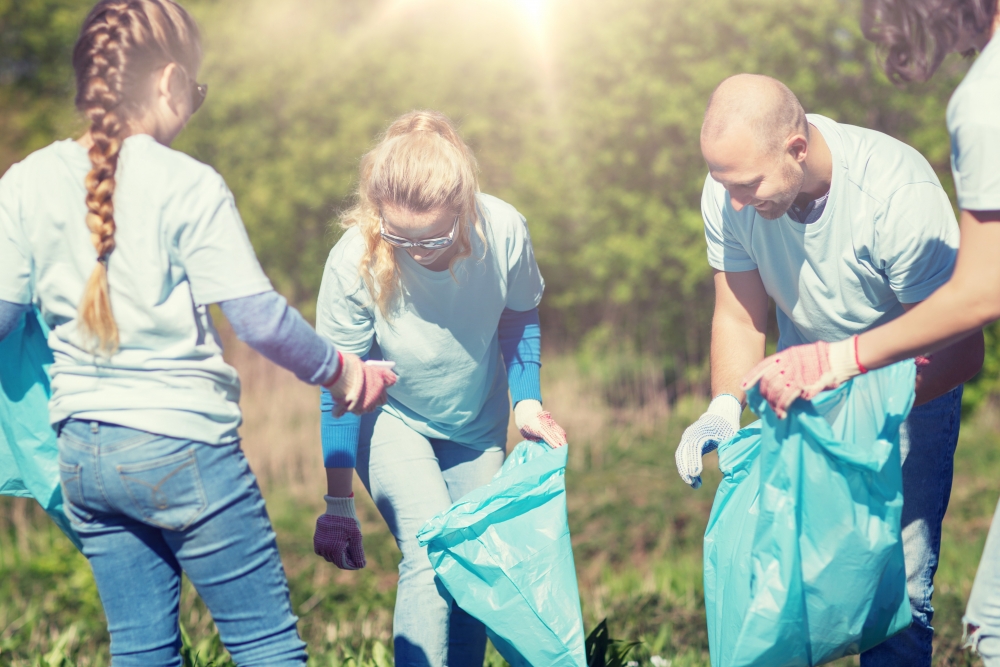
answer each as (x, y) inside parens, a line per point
(913, 37)
(844, 228)
(441, 280)
(123, 244)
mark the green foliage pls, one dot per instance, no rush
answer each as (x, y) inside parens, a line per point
(586, 118)
(603, 651)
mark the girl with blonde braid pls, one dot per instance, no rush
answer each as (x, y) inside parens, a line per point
(122, 244)
(441, 280)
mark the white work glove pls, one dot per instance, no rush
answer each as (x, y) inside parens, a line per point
(536, 424)
(719, 423)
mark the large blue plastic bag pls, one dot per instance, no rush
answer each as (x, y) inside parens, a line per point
(803, 555)
(29, 453)
(503, 553)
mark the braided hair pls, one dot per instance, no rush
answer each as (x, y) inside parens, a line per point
(121, 45)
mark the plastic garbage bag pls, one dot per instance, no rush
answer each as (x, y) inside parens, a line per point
(803, 555)
(29, 453)
(503, 553)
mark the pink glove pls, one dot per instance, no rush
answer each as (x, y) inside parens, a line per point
(537, 424)
(804, 371)
(338, 536)
(359, 387)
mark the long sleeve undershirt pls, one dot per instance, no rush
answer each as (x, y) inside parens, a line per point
(520, 340)
(269, 325)
(263, 321)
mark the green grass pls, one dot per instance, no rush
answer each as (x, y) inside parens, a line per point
(637, 534)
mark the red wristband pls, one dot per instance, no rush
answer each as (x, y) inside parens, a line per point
(857, 359)
(340, 370)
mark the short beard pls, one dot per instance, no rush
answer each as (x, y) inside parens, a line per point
(778, 207)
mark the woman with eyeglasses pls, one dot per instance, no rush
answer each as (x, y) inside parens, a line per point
(122, 244)
(440, 280)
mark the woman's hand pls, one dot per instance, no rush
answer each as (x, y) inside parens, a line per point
(804, 371)
(338, 534)
(536, 424)
(360, 387)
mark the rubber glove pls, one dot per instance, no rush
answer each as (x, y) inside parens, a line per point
(536, 424)
(804, 371)
(359, 387)
(719, 423)
(338, 534)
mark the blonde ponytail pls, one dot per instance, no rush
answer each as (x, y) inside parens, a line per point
(420, 164)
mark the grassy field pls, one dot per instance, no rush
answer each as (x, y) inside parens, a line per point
(637, 534)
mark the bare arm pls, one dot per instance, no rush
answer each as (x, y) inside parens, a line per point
(949, 367)
(739, 328)
(966, 303)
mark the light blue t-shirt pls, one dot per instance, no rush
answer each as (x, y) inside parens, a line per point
(442, 333)
(887, 236)
(974, 125)
(180, 245)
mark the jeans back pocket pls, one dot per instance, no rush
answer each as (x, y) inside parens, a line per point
(166, 492)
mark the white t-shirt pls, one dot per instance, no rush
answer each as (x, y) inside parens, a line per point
(180, 246)
(887, 236)
(443, 331)
(974, 124)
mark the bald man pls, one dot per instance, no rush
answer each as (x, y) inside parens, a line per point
(844, 228)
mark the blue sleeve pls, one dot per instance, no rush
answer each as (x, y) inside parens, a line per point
(520, 335)
(339, 435)
(269, 325)
(10, 315)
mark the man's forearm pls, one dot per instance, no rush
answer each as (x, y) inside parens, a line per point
(949, 368)
(737, 346)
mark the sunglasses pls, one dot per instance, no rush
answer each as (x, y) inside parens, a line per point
(428, 244)
(199, 91)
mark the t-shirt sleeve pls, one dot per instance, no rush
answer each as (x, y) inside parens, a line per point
(524, 280)
(212, 245)
(916, 241)
(725, 251)
(975, 146)
(343, 315)
(15, 254)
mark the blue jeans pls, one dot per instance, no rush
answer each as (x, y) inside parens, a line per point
(982, 615)
(927, 446)
(147, 507)
(411, 479)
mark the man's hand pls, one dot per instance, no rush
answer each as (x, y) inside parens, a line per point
(338, 535)
(804, 371)
(359, 387)
(536, 424)
(719, 423)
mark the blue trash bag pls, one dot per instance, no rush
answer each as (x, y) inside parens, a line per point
(503, 553)
(29, 453)
(803, 554)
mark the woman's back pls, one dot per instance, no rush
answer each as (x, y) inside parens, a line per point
(179, 246)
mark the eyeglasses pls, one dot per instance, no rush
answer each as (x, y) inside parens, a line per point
(428, 244)
(199, 91)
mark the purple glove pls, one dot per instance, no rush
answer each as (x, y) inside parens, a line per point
(338, 535)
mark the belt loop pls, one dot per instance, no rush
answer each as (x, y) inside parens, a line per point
(94, 428)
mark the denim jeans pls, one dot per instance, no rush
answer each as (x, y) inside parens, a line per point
(411, 479)
(148, 507)
(982, 615)
(927, 446)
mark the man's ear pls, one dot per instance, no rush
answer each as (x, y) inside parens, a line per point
(798, 147)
